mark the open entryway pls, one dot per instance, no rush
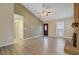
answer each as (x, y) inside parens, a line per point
(18, 27)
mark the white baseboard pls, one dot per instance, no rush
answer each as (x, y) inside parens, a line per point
(2, 45)
(61, 37)
(68, 37)
(7, 44)
(33, 37)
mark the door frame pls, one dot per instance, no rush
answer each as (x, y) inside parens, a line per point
(45, 33)
(23, 24)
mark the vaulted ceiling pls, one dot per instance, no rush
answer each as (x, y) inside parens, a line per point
(58, 10)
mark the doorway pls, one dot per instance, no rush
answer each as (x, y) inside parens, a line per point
(46, 29)
(18, 27)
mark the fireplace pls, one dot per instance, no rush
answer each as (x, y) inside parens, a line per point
(74, 38)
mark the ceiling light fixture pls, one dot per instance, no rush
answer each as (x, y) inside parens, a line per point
(46, 10)
(44, 13)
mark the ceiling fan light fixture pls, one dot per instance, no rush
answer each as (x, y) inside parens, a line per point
(45, 13)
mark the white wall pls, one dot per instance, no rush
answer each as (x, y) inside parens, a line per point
(6, 24)
(68, 30)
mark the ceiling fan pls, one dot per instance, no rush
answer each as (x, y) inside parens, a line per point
(45, 11)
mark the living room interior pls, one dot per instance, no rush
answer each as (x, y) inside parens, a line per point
(39, 29)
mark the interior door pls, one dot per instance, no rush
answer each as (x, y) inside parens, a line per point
(46, 29)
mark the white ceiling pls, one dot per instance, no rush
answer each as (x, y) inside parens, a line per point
(58, 10)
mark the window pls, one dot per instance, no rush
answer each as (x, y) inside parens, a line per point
(60, 28)
(45, 27)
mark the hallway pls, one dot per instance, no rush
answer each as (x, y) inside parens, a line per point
(36, 46)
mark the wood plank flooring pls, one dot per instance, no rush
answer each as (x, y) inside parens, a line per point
(36, 46)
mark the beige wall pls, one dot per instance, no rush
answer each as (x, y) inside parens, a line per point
(68, 27)
(68, 30)
(51, 27)
(32, 25)
(6, 24)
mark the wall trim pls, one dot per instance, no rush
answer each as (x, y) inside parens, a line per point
(60, 37)
(33, 37)
(7, 44)
(48, 36)
(24, 39)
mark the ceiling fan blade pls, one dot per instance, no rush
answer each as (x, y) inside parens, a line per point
(49, 12)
